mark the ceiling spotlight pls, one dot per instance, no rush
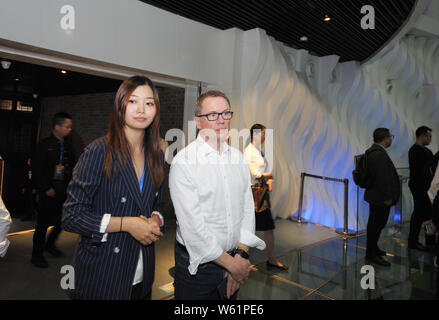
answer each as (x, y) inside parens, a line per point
(6, 64)
(327, 18)
(304, 38)
(63, 71)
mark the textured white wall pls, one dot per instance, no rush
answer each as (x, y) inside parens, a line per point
(322, 119)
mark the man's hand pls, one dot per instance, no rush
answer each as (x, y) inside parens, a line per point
(388, 203)
(232, 285)
(240, 269)
(51, 193)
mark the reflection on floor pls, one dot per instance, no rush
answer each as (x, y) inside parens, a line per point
(322, 265)
(332, 271)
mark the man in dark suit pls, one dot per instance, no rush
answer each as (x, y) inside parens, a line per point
(383, 193)
(52, 169)
(419, 157)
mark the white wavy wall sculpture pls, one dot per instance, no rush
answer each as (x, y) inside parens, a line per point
(324, 112)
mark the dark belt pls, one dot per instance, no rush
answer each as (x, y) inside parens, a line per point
(182, 247)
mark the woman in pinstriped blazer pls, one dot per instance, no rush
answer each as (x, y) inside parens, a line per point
(114, 200)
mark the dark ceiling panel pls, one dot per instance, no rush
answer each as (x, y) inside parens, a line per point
(46, 81)
(288, 20)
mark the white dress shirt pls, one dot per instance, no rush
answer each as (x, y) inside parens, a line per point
(5, 223)
(256, 162)
(213, 201)
(434, 186)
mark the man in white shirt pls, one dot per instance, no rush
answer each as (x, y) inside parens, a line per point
(5, 223)
(210, 188)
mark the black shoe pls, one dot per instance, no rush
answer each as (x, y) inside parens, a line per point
(54, 251)
(39, 262)
(281, 266)
(417, 246)
(378, 260)
(381, 253)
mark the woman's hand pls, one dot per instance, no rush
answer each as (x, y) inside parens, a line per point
(144, 230)
(270, 185)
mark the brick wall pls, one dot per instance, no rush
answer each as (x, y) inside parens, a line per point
(91, 112)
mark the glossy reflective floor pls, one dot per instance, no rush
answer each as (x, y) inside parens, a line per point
(331, 270)
(322, 266)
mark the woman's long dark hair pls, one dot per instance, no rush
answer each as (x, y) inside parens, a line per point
(116, 134)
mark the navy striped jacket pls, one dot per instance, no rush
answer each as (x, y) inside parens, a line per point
(105, 270)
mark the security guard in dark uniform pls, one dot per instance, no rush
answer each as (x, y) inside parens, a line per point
(52, 169)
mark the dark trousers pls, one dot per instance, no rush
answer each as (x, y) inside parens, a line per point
(207, 284)
(378, 216)
(422, 211)
(136, 293)
(49, 214)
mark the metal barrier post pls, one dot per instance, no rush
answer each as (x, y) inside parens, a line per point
(345, 231)
(299, 213)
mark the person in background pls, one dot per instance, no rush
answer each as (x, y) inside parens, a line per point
(52, 169)
(115, 198)
(419, 157)
(29, 192)
(432, 225)
(383, 193)
(5, 223)
(258, 170)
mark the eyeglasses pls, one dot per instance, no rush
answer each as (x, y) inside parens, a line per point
(226, 115)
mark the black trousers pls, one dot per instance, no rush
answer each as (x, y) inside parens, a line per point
(136, 293)
(422, 211)
(378, 216)
(49, 214)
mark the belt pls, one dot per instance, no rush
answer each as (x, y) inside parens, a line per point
(182, 247)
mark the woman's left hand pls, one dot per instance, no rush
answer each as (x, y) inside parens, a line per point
(270, 185)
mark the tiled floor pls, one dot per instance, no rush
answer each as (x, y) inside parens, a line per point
(332, 271)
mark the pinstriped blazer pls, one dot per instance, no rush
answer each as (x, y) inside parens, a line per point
(105, 270)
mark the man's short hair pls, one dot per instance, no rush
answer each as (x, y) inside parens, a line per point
(380, 134)
(210, 93)
(256, 127)
(59, 118)
(422, 130)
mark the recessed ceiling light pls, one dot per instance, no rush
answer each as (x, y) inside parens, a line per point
(304, 38)
(327, 18)
(63, 71)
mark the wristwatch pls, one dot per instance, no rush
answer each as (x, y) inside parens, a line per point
(242, 253)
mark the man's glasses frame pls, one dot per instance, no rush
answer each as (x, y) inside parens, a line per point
(226, 115)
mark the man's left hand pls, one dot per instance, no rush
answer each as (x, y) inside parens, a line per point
(232, 285)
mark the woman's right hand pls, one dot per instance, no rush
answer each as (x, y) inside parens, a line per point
(144, 230)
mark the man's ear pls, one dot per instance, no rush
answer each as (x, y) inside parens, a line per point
(197, 122)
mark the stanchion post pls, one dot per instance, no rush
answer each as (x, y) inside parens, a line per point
(346, 231)
(299, 213)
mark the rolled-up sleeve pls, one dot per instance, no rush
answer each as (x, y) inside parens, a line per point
(201, 244)
(248, 236)
(5, 223)
(79, 215)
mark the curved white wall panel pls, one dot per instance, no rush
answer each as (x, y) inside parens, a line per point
(324, 112)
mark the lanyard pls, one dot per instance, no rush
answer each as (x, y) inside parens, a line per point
(141, 179)
(61, 152)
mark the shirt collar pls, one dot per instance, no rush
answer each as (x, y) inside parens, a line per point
(206, 149)
(377, 144)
